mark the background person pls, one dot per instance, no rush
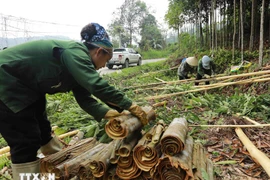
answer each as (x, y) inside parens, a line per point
(206, 69)
(187, 66)
(31, 70)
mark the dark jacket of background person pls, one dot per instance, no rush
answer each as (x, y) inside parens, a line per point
(207, 68)
(187, 66)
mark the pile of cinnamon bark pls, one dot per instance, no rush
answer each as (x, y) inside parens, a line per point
(166, 152)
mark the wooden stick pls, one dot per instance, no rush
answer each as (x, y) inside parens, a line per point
(4, 150)
(71, 133)
(160, 104)
(241, 82)
(253, 151)
(5, 154)
(249, 120)
(160, 80)
(231, 125)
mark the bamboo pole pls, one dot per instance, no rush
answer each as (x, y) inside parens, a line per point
(4, 150)
(218, 77)
(232, 126)
(5, 154)
(249, 120)
(253, 151)
(207, 88)
(160, 80)
(160, 104)
(241, 82)
(71, 133)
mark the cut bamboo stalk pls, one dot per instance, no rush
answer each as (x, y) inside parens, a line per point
(160, 80)
(249, 120)
(202, 89)
(71, 133)
(174, 138)
(160, 104)
(4, 150)
(232, 126)
(5, 154)
(255, 153)
(240, 82)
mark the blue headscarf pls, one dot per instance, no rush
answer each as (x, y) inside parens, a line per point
(100, 39)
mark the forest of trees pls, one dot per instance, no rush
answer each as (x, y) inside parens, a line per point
(208, 24)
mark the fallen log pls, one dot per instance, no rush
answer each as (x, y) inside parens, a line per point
(174, 138)
(148, 150)
(119, 127)
(255, 153)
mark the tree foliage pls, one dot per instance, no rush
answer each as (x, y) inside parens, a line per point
(132, 22)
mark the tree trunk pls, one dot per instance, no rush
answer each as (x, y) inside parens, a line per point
(234, 28)
(213, 27)
(261, 36)
(242, 30)
(239, 27)
(251, 40)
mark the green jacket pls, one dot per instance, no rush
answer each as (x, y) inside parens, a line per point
(203, 71)
(28, 71)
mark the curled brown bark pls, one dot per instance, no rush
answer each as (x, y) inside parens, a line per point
(174, 138)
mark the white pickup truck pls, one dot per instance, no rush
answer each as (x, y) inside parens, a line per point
(124, 57)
